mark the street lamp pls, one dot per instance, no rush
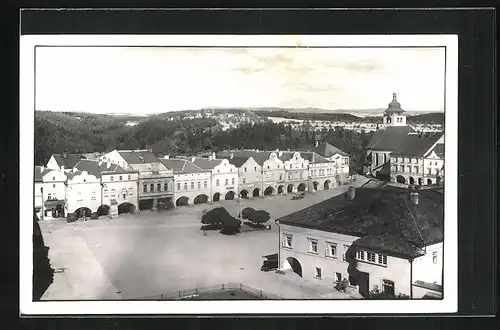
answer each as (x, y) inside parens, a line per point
(41, 189)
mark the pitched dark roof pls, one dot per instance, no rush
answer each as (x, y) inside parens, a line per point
(236, 161)
(67, 160)
(138, 156)
(389, 138)
(181, 166)
(439, 150)
(40, 172)
(93, 167)
(416, 144)
(313, 157)
(206, 164)
(259, 156)
(325, 149)
(384, 219)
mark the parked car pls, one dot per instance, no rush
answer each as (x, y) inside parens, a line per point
(269, 265)
(298, 196)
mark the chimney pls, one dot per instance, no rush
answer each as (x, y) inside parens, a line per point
(166, 157)
(42, 168)
(414, 197)
(231, 156)
(316, 144)
(280, 153)
(351, 193)
(213, 155)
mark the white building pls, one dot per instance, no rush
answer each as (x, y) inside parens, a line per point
(296, 172)
(83, 194)
(49, 192)
(192, 184)
(224, 177)
(386, 239)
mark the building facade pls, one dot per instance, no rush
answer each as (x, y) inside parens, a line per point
(83, 194)
(156, 182)
(50, 190)
(358, 237)
(296, 172)
(192, 184)
(224, 177)
(273, 175)
(64, 162)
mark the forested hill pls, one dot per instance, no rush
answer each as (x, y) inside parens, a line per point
(57, 132)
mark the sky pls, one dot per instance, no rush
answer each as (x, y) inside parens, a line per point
(142, 80)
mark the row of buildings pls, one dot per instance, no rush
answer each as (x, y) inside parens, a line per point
(120, 181)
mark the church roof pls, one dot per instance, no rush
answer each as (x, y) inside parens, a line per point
(325, 149)
(389, 138)
(416, 144)
(394, 106)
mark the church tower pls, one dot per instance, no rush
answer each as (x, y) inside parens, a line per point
(394, 115)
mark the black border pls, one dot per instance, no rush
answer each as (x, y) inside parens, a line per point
(477, 100)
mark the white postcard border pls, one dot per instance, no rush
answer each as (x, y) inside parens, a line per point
(26, 164)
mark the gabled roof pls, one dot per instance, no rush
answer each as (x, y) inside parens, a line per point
(259, 156)
(40, 172)
(93, 167)
(181, 166)
(138, 156)
(206, 164)
(389, 138)
(325, 149)
(384, 219)
(237, 161)
(313, 157)
(439, 150)
(416, 144)
(67, 160)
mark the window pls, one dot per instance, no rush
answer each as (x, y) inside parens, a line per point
(151, 187)
(124, 193)
(217, 183)
(49, 196)
(344, 256)
(360, 255)
(287, 240)
(232, 181)
(105, 193)
(245, 169)
(415, 169)
(218, 171)
(145, 188)
(227, 182)
(436, 163)
(112, 178)
(192, 184)
(131, 191)
(388, 286)
(165, 186)
(331, 250)
(230, 170)
(337, 277)
(130, 177)
(408, 168)
(53, 178)
(178, 186)
(313, 246)
(158, 187)
(429, 171)
(401, 168)
(92, 198)
(382, 259)
(185, 186)
(113, 193)
(317, 272)
(199, 184)
(120, 178)
(281, 177)
(434, 257)
(267, 166)
(205, 184)
(370, 256)
(244, 180)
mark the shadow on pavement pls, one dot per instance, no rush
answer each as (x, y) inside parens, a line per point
(43, 274)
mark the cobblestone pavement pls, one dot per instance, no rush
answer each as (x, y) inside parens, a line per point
(150, 253)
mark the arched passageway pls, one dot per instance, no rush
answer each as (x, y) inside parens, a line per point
(244, 193)
(200, 199)
(216, 197)
(256, 192)
(400, 179)
(429, 181)
(183, 200)
(295, 265)
(281, 189)
(301, 187)
(412, 180)
(83, 212)
(315, 185)
(269, 191)
(126, 208)
(327, 185)
(289, 188)
(229, 195)
(103, 210)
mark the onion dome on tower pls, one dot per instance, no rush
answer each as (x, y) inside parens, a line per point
(394, 106)
(394, 115)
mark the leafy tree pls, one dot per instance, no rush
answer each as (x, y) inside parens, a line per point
(217, 215)
(246, 212)
(259, 217)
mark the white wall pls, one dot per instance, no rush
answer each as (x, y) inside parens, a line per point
(250, 176)
(222, 172)
(130, 185)
(83, 190)
(38, 194)
(53, 185)
(185, 180)
(424, 269)
(52, 164)
(308, 261)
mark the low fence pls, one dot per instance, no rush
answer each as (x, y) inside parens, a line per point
(210, 290)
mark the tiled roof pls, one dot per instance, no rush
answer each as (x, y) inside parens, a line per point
(138, 156)
(180, 166)
(39, 173)
(313, 157)
(389, 138)
(439, 150)
(236, 161)
(416, 144)
(385, 219)
(325, 149)
(259, 156)
(206, 164)
(93, 167)
(67, 160)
